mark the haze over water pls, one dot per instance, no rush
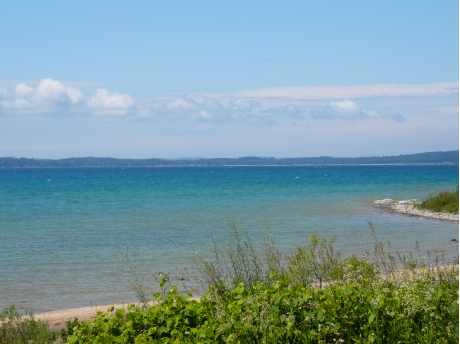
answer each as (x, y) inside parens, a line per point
(62, 230)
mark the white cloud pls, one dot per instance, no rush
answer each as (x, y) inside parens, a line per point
(16, 104)
(243, 104)
(22, 90)
(190, 106)
(346, 109)
(49, 89)
(344, 106)
(106, 103)
(74, 95)
(51, 95)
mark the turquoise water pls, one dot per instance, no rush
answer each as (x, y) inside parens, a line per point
(62, 230)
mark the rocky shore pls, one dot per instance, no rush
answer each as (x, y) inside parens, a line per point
(411, 210)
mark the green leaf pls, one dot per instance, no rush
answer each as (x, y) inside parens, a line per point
(239, 290)
(371, 317)
(162, 329)
(320, 314)
(277, 300)
(438, 293)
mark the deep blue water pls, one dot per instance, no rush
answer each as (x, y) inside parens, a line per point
(62, 230)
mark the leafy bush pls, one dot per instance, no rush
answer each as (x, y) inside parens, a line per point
(412, 309)
(444, 201)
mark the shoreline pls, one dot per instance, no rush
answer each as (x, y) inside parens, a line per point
(57, 319)
(232, 165)
(411, 210)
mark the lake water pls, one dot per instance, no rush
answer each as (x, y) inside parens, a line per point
(62, 231)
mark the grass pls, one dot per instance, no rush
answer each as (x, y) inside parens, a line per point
(445, 201)
(22, 328)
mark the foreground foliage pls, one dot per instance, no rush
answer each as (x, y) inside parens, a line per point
(444, 201)
(408, 309)
(22, 328)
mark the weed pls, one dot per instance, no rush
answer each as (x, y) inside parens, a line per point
(136, 284)
(17, 328)
(239, 260)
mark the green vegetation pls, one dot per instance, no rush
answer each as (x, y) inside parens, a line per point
(17, 328)
(254, 295)
(407, 310)
(445, 201)
(449, 157)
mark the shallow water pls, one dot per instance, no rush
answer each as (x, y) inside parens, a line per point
(62, 230)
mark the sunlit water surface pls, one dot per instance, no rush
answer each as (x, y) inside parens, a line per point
(62, 230)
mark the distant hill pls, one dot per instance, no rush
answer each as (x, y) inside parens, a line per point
(450, 157)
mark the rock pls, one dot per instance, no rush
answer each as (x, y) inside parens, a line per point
(411, 210)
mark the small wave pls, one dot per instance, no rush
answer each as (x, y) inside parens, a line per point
(407, 201)
(384, 201)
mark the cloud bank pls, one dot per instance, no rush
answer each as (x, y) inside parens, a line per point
(269, 106)
(52, 95)
(361, 91)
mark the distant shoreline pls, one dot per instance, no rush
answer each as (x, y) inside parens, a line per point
(428, 158)
(294, 165)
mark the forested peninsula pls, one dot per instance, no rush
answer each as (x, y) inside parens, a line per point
(446, 157)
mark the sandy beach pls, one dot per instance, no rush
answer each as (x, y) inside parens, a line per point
(57, 319)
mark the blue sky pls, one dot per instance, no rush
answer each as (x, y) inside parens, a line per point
(173, 79)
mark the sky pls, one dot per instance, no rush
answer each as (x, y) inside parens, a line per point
(175, 79)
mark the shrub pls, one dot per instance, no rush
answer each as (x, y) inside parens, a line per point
(412, 309)
(18, 328)
(444, 201)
